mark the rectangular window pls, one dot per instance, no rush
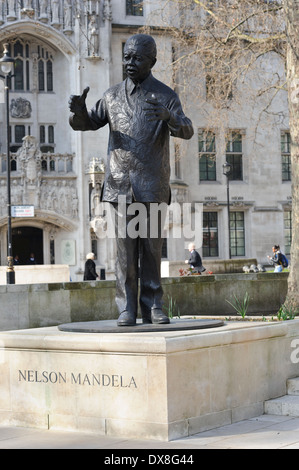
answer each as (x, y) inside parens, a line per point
(16, 134)
(286, 156)
(237, 233)
(134, 7)
(287, 231)
(207, 155)
(124, 74)
(234, 155)
(19, 134)
(210, 234)
(52, 252)
(46, 138)
(27, 76)
(3, 164)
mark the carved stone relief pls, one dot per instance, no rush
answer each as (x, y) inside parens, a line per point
(20, 108)
(30, 186)
(96, 173)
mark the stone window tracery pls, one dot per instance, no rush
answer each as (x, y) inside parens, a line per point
(27, 75)
(46, 138)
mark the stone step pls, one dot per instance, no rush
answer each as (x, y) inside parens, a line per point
(288, 405)
(293, 386)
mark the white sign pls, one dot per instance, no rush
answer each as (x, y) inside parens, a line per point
(68, 252)
(22, 211)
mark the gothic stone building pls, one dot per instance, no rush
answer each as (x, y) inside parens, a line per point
(62, 46)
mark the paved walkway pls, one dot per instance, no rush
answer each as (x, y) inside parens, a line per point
(263, 432)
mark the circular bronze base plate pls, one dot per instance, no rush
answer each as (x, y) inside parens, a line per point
(110, 326)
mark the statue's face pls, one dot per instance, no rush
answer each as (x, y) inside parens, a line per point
(137, 64)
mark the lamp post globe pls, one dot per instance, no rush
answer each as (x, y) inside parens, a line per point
(226, 168)
(6, 62)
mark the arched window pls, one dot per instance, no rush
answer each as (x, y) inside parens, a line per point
(42, 135)
(18, 49)
(19, 74)
(51, 135)
(26, 72)
(49, 76)
(41, 75)
(45, 71)
(13, 165)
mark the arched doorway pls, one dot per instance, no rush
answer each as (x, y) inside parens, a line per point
(27, 240)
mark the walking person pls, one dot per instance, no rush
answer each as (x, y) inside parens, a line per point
(195, 260)
(90, 273)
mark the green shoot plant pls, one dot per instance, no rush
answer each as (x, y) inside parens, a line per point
(172, 309)
(241, 306)
(287, 313)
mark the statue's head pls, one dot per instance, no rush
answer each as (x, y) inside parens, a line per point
(145, 42)
(140, 53)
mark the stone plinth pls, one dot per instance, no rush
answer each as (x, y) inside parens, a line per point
(151, 385)
(37, 274)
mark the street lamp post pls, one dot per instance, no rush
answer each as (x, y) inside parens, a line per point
(6, 66)
(226, 171)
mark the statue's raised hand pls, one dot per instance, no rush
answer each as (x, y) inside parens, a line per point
(157, 111)
(77, 102)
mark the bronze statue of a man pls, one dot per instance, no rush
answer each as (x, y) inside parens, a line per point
(142, 113)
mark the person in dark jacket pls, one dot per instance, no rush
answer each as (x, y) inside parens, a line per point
(32, 259)
(90, 273)
(16, 260)
(142, 114)
(195, 260)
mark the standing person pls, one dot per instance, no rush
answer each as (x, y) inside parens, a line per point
(277, 259)
(16, 260)
(31, 259)
(142, 113)
(90, 273)
(195, 259)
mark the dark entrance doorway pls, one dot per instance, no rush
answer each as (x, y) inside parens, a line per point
(27, 240)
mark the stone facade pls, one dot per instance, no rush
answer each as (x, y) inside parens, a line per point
(62, 46)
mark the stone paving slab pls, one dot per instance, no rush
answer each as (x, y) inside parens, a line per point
(263, 432)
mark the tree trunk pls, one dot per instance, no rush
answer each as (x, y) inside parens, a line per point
(292, 64)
